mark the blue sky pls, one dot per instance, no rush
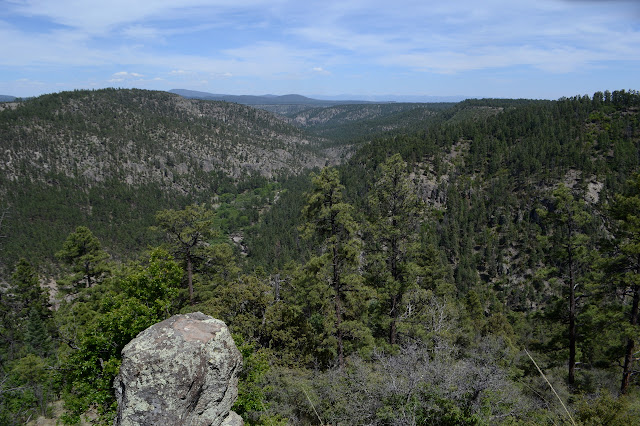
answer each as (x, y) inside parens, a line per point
(491, 48)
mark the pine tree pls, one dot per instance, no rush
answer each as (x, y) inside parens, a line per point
(334, 270)
(625, 267)
(568, 251)
(395, 219)
(28, 322)
(83, 252)
(188, 232)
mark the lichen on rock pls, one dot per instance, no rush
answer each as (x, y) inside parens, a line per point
(181, 371)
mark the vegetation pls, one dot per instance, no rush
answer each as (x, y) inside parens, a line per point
(401, 287)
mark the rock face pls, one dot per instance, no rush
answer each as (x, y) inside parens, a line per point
(181, 371)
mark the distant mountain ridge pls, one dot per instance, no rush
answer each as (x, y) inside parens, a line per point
(7, 98)
(291, 99)
(317, 100)
(394, 98)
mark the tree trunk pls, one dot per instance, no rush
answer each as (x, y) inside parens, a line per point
(338, 305)
(190, 279)
(628, 356)
(393, 333)
(572, 336)
(572, 314)
(276, 287)
(396, 298)
(87, 273)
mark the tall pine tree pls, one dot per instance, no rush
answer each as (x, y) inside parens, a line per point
(394, 230)
(334, 269)
(625, 266)
(188, 232)
(568, 252)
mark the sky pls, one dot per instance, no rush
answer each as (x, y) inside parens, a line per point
(541, 49)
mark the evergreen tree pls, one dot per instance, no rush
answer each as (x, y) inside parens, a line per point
(83, 252)
(395, 218)
(334, 270)
(625, 266)
(26, 330)
(567, 244)
(30, 317)
(188, 232)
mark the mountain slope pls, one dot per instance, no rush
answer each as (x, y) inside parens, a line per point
(112, 158)
(485, 167)
(348, 122)
(141, 136)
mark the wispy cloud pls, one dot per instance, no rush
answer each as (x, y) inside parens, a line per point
(449, 39)
(320, 70)
(124, 76)
(281, 40)
(102, 16)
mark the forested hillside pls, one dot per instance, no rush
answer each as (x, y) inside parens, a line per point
(111, 158)
(352, 122)
(474, 263)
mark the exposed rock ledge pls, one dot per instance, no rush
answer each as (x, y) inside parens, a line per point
(181, 371)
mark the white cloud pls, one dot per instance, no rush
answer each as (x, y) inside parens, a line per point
(453, 33)
(22, 87)
(455, 37)
(194, 40)
(320, 70)
(101, 16)
(126, 74)
(142, 32)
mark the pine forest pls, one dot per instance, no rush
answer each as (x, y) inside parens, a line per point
(471, 263)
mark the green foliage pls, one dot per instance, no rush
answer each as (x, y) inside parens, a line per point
(26, 331)
(605, 409)
(26, 319)
(570, 254)
(332, 273)
(251, 403)
(396, 214)
(271, 243)
(188, 233)
(242, 303)
(342, 124)
(83, 252)
(41, 217)
(488, 268)
(26, 389)
(135, 299)
(624, 270)
(112, 158)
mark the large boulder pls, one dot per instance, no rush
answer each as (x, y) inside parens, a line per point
(181, 371)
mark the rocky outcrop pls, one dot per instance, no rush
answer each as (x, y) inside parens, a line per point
(181, 371)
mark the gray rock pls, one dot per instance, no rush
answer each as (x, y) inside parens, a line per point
(233, 419)
(181, 371)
